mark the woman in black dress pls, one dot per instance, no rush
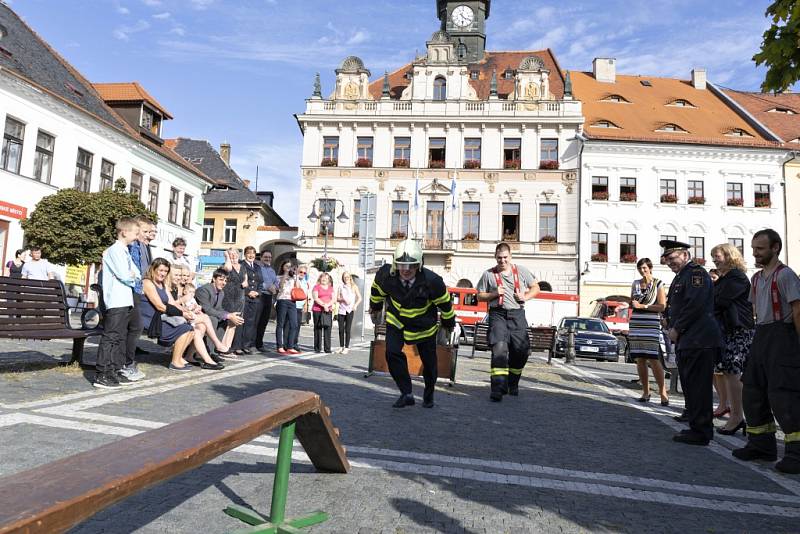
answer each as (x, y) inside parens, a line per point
(14, 267)
(234, 293)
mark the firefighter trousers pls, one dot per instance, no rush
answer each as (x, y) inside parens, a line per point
(398, 365)
(508, 337)
(696, 369)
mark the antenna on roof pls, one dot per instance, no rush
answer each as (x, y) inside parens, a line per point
(256, 178)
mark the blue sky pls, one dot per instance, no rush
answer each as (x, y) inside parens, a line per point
(237, 70)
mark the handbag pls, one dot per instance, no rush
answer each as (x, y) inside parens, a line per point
(325, 320)
(297, 294)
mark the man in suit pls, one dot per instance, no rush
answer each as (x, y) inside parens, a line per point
(210, 297)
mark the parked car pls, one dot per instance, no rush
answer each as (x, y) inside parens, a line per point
(592, 339)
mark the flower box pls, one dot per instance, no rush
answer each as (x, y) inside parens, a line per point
(363, 162)
(763, 203)
(628, 258)
(600, 195)
(669, 199)
(602, 258)
(470, 237)
(548, 239)
(472, 164)
(436, 164)
(549, 164)
(325, 264)
(397, 235)
(401, 163)
(329, 162)
(735, 202)
(696, 200)
(511, 164)
(627, 197)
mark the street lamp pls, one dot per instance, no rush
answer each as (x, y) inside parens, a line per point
(326, 219)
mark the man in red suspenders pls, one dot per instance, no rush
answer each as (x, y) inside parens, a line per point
(506, 287)
(771, 378)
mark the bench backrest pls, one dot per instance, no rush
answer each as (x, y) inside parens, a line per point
(540, 337)
(27, 305)
(58, 495)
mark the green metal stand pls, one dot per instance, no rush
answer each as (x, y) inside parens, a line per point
(277, 523)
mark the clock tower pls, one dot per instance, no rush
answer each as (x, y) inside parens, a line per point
(465, 22)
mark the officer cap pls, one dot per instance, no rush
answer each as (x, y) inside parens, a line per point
(670, 246)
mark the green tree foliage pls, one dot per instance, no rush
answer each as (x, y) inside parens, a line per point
(780, 50)
(74, 227)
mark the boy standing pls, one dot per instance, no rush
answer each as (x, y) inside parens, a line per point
(121, 323)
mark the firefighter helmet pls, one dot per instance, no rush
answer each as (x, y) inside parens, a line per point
(407, 253)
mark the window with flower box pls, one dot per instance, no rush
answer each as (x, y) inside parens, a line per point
(669, 191)
(437, 147)
(402, 152)
(83, 170)
(548, 154)
(12, 145)
(512, 153)
(695, 192)
(106, 175)
(548, 223)
(627, 248)
(599, 246)
(698, 249)
(472, 153)
(761, 196)
(627, 189)
(738, 243)
(399, 228)
(734, 194)
(510, 221)
(364, 152)
(599, 187)
(330, 151)
(471, 220)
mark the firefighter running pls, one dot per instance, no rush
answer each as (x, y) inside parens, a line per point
(506, 287)
(412, 295)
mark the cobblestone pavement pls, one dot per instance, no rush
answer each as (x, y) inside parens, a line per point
(574, 452)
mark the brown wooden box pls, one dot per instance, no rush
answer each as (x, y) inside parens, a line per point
(446, 357)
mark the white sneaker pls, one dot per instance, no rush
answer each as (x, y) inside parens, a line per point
(345, 350)
(132, 372)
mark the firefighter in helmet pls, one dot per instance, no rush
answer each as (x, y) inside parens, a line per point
(412, 295)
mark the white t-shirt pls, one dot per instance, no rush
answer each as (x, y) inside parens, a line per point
(37, 270)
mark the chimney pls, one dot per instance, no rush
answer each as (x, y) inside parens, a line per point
(246, 183)
(225, 152)
(604, 69)
(699, 78)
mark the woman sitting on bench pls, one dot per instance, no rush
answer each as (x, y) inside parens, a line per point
(156, 300)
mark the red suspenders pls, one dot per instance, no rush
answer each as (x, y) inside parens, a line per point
(499, 281)
(776, 296)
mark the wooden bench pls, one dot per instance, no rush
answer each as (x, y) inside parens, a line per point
(37, 309)
(56, 496)
(541, 338)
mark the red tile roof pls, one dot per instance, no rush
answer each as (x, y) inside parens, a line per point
(759, 105)
(492, 61)
(128, 92)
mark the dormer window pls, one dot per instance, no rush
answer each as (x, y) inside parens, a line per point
(671, 128)
(616, 98)
(785, 111)
(681, 103)
(151, 121)
(604, 124)
(737, 132)
(508, 74)
(474, 75)
(440, 88)
(461, 51)
(796, 140)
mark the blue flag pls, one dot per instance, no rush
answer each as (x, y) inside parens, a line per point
(453, 191)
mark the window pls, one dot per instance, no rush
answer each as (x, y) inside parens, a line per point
(627, 189)
(471, 220)
(440, 88)
(208, 230)
(436, 152)
(136, 183)
(402, 152)
(737, 242)
(187, 211)
(615, 98)
(172, 215)
(12, 145)
(151, 121)
(152, 195)
(669, 190)
(230, 231)
(761, 194)
(698, 247)
(474, 75)
(434, 224)
(695, 192)
(327, 208)
(599, 246)
(671, 128)
(106, 175)
(364, 152)
(549, 150)
(604, 124)
(548, 222)
(330, 151)
(399, 228)
(512, 153)
(785, 111)
(472, 153)
(681, 103)
(83, 170)
(734, 194)
(510, 221)
(627, 248)
(599, 187)
(668, 238)
(737, 132)
(43, 161)
(508, 74)
(357, 217)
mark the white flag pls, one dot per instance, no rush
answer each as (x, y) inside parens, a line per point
(416, 191)
(453, 191)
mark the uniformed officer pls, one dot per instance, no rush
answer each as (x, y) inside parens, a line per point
(412, 295)
(691, 325)
(506, 287)
(771, 378)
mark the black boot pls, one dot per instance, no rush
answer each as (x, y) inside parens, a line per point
(427, 397)
(403, 401)
(513, 384)
(759, 447)
(790, 463)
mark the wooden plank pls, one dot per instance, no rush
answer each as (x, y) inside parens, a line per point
(444, 359)
(27, 310)
(56, 496)
(320, 440)
(21, 304)
(31, 321)
(29, 283)
(6, 289)
(63, 333)
(32, 297)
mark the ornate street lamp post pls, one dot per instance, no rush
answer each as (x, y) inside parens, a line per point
(325, 219)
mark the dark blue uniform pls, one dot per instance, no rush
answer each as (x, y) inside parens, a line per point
(691, 313)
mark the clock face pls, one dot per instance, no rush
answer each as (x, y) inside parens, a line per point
(462, 16)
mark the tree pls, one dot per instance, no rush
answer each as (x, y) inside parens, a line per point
(73, 227)
(780, 50)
